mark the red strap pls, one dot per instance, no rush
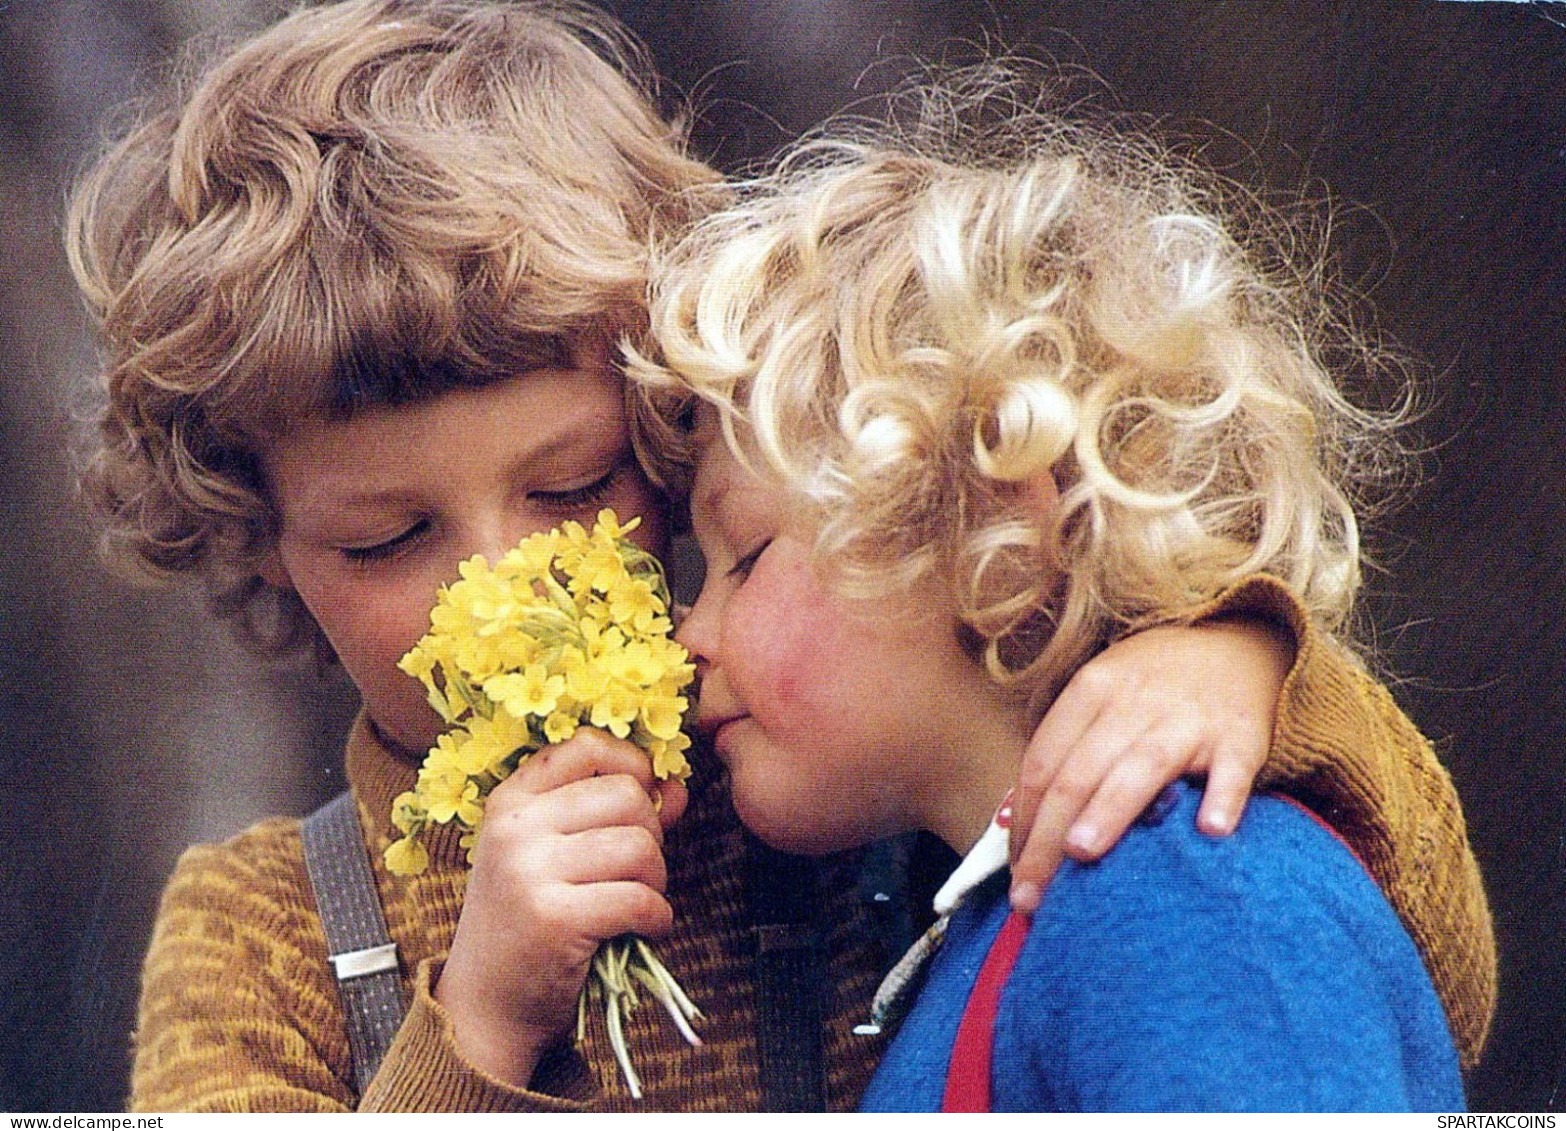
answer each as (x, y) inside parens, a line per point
(1324, 823)
(968, 1074)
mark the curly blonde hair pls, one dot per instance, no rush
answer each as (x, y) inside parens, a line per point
(371, 202)
(911, 331)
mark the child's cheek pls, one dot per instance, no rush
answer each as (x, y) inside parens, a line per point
(792, 649)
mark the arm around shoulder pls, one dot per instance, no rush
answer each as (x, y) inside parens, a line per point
(1344, 747)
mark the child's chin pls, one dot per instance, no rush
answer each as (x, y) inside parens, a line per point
(785, 832)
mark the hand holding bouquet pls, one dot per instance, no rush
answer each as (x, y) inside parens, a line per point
(571, 628)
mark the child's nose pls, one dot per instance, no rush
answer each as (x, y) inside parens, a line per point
(499, 534)
(697, 630)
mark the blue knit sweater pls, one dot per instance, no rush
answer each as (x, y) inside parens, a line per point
(1262, 972)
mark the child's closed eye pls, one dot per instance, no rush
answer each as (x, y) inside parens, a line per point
(576, 498)
(741, 568)
(389, 548)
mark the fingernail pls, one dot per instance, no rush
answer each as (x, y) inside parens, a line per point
(1217, 823)
(1025, 897)
(1083, 838)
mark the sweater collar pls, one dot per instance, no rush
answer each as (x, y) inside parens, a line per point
(377, 774)
(988, 855)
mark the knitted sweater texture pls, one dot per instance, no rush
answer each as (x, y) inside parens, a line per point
(239, 1011)
(1258, 972)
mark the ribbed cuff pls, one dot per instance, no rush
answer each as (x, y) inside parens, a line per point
(425, 1071)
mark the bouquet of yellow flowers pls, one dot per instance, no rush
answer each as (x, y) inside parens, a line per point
(569, 628)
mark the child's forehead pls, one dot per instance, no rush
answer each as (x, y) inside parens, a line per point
(539, 423)
(377, 374)
(727, 486)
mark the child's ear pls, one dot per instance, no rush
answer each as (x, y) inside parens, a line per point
(273, 571)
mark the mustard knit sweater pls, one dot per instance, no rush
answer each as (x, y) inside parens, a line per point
(239, 1011)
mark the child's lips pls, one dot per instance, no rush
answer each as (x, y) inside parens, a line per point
(720, 729)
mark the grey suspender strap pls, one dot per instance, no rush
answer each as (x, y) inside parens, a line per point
(363, 955)
(790, 972)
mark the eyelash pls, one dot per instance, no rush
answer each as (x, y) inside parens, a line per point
(577, 497)
(593, 492)
(391, 548)
(742, 568)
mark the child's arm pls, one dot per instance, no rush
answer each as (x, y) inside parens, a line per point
(1153, 707)
(1338, 742)
(239, 1011)
(1344, 747)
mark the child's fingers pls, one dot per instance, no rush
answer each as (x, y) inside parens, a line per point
(1135, 777)
(1114, 769)
(1042, 849)
(523, 832)
(1072, 714)
(588, 753)
(600, 855)
(604, 801)
(1229, 782)
(1119, 744)
(671, 801)
(606, 910)
(1075, 750)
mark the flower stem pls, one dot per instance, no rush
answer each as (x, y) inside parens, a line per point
(617, 967)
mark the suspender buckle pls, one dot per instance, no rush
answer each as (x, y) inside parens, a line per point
(361, 963)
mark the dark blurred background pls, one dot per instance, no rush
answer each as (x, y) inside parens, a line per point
(131, 726)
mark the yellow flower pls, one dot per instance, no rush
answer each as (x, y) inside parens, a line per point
(633, 602)
(407, 857)
(451, 755)
(532, 691)
(559, 726)
(479, 657)
(662, 714)
(668, 757)
(634, 663)
(492, 742)
(585, 681)
(608, 527)
(448, 797)
(616, 710)
(420, 664)
(407, 813)
(468, 842)
(569, 628)
(534, 555)
(600, 569)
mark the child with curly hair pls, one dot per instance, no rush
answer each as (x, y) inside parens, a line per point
(358, 285)
(966, 410)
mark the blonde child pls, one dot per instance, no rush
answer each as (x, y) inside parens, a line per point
(966, 410)
(357, 285)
